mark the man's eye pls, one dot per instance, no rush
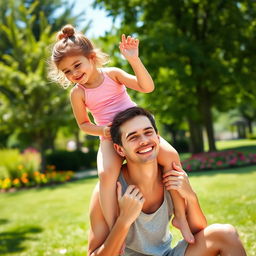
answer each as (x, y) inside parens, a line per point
(149, 133)
(133, 138)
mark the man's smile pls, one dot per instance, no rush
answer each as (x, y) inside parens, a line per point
(144, 149)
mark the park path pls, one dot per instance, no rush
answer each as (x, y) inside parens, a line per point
(86, 174)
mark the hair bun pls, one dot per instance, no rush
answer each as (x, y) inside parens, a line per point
(66, 31)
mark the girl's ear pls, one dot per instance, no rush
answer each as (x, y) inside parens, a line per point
(119, 150)
(92, 56)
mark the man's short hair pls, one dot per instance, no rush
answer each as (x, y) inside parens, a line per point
(127, 115)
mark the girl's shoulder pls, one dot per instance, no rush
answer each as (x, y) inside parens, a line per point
(113, 73)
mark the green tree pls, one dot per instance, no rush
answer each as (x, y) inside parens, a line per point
(31, 107)
(197, 52)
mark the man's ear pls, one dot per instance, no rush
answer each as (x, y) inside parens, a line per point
(119, 150)
(158, 136)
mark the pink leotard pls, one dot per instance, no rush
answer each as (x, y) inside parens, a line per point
(106, 100)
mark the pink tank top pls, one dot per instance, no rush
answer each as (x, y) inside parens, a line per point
(106, 100)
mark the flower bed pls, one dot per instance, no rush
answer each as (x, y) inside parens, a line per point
(218, 160)
(21, 170)
(36, 179)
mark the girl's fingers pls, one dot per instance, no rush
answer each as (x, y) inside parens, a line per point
(123, 38)
(129, 39)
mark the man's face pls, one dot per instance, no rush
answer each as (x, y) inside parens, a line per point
(139, 139)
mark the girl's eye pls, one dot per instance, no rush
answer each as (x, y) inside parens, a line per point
(67, 72)
(77, 65)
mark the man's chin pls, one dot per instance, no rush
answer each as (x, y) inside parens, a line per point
(148, 159)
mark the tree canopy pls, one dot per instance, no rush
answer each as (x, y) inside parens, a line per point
(198, 52)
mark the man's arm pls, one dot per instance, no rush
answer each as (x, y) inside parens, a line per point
(101, 240)
(177, 179)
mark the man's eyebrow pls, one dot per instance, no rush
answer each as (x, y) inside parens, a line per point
(132, 133)
(63, 70)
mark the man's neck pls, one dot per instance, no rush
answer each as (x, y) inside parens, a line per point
(148, 178)
(145, 175)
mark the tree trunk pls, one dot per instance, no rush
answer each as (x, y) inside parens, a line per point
(241, 131)
(43, 158)
(249, 125)
(196, 137)
(206, 113)
(45, 140)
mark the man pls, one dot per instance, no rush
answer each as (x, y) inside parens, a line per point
(146, 207)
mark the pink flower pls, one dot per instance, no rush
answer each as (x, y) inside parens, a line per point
(219, 163)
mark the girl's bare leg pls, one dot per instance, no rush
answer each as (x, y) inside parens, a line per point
(167, 155)
(109, 164)
(216, 239)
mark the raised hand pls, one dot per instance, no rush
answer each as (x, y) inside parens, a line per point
(129, 47)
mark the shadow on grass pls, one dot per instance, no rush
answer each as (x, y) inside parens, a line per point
(3, 221)
(237, 170)
(11, 241)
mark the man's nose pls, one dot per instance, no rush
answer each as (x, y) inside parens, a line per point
(143, 140)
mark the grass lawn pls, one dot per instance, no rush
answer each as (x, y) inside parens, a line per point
(54, 221)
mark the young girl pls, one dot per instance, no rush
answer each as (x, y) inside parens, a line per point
(102, 91)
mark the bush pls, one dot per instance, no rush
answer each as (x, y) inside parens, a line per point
(13, 163)
(71, 160)
(251, 136)
(181, 145)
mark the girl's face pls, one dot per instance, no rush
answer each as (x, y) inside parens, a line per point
(77, 69)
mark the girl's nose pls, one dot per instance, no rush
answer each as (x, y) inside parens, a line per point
(75, 72)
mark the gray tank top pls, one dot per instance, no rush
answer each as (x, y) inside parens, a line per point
(149, 234)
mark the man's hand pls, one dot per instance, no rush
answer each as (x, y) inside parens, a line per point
(177, 179)
(129, 47)
(130, 204)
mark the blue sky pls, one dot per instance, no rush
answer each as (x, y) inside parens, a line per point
(100, 21)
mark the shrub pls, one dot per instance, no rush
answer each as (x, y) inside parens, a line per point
(181, 145)
(71, 160)
(22, 170)
(14, 164)
(251, 136)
